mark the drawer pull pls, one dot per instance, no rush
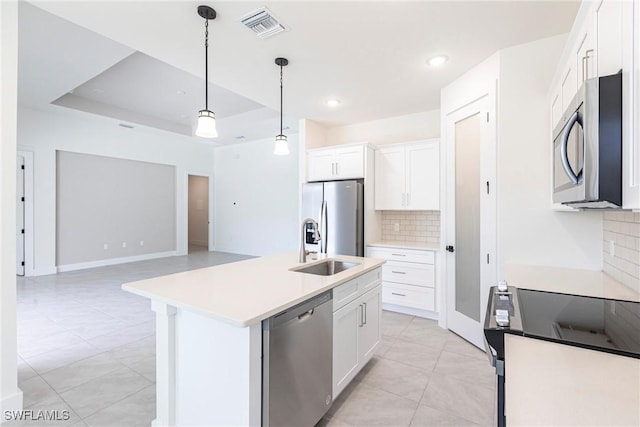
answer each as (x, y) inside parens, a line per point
(398, 254)
(398, 272)
(400, 295)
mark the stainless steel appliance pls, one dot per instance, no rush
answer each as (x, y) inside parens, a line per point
(297, 354)
(337, 206)
(587, 147)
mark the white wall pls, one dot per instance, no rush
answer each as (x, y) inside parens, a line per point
(10, 395)
(529, 232)
(257, 196)
(45, 132)
(410, 127)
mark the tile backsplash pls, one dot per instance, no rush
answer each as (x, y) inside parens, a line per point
(623, 228)
(413, 226)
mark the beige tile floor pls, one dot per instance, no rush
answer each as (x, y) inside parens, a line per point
(87, 347)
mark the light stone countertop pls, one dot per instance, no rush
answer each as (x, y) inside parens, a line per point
(406, 245)
(568, 281)
(246, 292)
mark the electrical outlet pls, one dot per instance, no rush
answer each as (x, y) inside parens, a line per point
(396, 227)
(105, 246)
(612, 248)
(124, 244)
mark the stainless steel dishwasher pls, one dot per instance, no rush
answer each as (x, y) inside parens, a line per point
(297, 353)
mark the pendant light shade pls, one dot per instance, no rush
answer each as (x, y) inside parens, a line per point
(206, 118)
(282, 145)
(206, 124)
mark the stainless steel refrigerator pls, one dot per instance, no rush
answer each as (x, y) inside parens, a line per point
(337, 206)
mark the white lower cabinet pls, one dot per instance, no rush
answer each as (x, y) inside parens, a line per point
(356, 327)
(408, 279)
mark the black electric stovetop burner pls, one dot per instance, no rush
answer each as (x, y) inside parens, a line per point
(600, 324)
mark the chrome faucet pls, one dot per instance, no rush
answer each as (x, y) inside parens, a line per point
(303, 250)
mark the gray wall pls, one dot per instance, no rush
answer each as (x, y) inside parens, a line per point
(109, 201)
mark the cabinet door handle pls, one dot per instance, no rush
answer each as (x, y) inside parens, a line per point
(337, 168)
(584, 69)
(364, 313)
(400, 295)
(361, 323)
(398, 272)
(408, 199)
(333, 169)
(398, 254)
(586, 62)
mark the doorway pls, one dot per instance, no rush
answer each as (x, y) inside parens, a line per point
(20, 211)
(198, 214)
(471, 223)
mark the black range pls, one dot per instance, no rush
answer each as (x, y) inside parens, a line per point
(599, 324)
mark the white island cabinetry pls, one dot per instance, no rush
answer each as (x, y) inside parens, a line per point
(356, 327)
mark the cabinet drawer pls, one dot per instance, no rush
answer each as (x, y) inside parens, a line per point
(408, 273)
(407, 255)
(369, 280)
(344, 293)
(409, 296)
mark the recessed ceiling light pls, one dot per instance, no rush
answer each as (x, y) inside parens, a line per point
(240, 137)
(437, 60)
(125, 125)
(333, 102)
(181, 92)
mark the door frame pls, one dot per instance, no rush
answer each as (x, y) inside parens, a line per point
(185, 211)
(489, 220)
(29, 245)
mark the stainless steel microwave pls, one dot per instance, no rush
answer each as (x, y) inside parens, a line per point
(587, 147)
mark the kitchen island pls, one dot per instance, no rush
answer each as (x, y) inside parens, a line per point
(209, 332)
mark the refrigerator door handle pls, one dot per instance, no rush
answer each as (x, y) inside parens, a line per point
(323, 227)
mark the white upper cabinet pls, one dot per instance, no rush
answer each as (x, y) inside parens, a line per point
(408, 176)
(609, 22)
(334, 163)
(423, 176)
(586, 58)
(390, 178)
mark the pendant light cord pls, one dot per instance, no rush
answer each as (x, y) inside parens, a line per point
(206, 64)
(281, 100)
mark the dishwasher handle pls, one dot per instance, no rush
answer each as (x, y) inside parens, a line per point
(304, 316)
(297, 313)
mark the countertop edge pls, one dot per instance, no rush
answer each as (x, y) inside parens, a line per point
(417, 246)
(256, 319)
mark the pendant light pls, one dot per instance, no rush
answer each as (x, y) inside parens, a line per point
(282, 146)
(206, 118)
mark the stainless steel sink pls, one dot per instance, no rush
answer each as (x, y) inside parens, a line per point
(326, 268)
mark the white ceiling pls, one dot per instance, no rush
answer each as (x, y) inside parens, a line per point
(371, 55)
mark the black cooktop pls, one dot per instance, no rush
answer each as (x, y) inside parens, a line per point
(596, 323)
(601, 324)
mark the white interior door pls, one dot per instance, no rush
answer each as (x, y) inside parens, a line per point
(470, 216)
(20, 216)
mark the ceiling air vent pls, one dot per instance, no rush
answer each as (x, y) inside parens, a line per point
(263, 23)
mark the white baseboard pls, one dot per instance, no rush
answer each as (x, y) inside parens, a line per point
(11, 403)
(410, 311)
(113, 261)
(41, 271)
